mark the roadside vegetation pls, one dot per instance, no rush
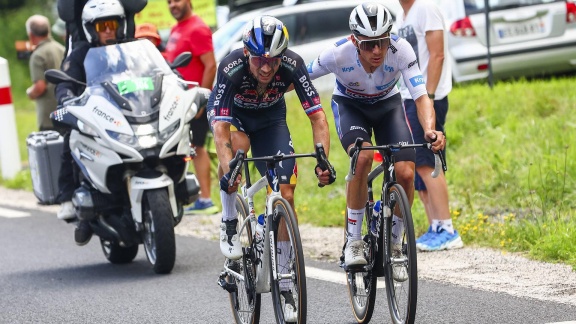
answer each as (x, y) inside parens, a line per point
(511, 159)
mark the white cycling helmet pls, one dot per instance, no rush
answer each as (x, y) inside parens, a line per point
(266, 36)
(95, 10)
(370, 19)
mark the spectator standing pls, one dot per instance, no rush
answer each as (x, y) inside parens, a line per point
(150, 32)
(421, 23)
(191, 34)
(47, 54)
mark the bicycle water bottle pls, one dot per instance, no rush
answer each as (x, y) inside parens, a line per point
(260, 233)
(375, 222)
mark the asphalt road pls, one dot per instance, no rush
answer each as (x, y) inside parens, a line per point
(46, 278)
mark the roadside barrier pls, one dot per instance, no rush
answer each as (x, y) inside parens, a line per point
(9, 151)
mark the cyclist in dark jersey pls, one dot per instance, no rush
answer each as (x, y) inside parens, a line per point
(247, 110)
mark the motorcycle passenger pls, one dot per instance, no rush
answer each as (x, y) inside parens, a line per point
(247, 109)
(102, 21)
(365, 100)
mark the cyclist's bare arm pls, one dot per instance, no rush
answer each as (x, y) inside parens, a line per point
(427, 118)
(321, 134)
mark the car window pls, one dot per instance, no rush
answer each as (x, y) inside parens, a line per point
(327, 24)
(476, 6)
(223, 36)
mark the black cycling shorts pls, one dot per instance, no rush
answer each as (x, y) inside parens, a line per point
(385, 118)
(269, 135)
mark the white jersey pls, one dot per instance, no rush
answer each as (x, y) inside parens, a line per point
(425, 16)
(354, 82)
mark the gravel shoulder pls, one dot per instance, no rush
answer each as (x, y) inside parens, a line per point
(478, 268)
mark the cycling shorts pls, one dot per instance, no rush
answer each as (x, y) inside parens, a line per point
(268, 134)
(385, 118)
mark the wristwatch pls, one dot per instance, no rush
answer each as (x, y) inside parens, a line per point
(431, 96)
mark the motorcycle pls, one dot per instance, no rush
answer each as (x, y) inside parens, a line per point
(130, 138)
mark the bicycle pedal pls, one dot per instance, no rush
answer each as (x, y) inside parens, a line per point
(229, 287)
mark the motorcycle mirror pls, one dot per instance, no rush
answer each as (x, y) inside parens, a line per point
(56, 76)
(181, 60)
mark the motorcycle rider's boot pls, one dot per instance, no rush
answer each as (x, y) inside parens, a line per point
(229, 241)
(83, 233)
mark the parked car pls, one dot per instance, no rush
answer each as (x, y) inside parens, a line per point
(312, 27)
(527, 38)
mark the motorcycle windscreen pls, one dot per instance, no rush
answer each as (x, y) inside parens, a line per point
(129, 74)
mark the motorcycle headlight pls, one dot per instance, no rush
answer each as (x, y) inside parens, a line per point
(169, 131)
(123, 138)
(86, 129)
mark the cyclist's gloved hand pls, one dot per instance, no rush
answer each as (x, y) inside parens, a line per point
(326, 174)
(225, 182)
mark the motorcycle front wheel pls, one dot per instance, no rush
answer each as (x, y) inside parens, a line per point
(158, 233)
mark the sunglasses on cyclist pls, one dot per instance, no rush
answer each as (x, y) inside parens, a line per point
(369, 44)
(103, 24)
(260, 61)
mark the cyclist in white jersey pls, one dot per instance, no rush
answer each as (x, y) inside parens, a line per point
(367, 66)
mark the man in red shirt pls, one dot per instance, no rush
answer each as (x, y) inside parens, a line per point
(191, 34)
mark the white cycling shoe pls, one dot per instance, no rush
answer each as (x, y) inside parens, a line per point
(290, 312)
(229, 241)
(399, 271)
(354, 253)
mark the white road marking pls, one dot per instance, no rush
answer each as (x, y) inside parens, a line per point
(11, 213)
(338, 277)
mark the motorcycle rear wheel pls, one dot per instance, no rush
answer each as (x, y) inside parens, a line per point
(117, 254)
(158, 233)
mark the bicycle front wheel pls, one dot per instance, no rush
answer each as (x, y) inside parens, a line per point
(400, 260)
(362, 282)
(289, 280)
(244, 301)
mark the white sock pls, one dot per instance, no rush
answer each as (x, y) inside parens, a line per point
(447, 225)
(205, 200)
(354, 227)
(435, 225)
(283, 258)
(228, 206)
(397, 229)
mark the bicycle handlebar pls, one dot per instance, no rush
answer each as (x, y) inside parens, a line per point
(322, 161)
(389, 149)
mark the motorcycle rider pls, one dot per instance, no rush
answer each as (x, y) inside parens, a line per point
(102, 21)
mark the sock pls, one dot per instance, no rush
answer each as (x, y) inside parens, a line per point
(283, 259)
(435, 225)
(205, 200)
(447, 225)
(397, 229)
(354, 227)
(228, 206)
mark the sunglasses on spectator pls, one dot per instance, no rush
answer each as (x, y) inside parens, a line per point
(260, 61)
(369, 44)
(103, 24)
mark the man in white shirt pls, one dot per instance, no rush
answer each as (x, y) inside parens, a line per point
(421, 23)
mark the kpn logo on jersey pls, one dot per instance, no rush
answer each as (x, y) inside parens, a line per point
(417, 80)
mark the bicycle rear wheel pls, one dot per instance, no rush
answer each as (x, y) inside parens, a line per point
(400, 264)
(289, 286)
(362, 284)
(245, 302)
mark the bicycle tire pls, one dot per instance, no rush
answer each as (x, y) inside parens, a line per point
(401, 295)
(362, 284)
(245, 302)
(294, 265)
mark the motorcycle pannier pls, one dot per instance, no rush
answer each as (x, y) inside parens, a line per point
(44, 150)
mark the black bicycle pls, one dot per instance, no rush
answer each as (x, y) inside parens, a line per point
(262, 267)
(397, 264)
